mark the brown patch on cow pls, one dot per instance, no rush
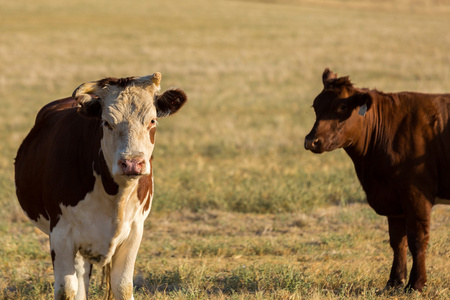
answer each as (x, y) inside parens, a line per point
(72, 145)
(152, 135)
(145, 189)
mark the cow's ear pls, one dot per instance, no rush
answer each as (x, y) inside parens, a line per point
(89, 103)
(328, 77)
(169, 102)
(363, 101)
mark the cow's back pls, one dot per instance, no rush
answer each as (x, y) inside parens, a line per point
(54, 163)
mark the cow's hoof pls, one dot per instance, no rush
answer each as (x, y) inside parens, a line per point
(393, 287)
(395, 284)
(409, 288)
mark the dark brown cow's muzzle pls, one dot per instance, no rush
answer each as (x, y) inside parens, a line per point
(312, 143)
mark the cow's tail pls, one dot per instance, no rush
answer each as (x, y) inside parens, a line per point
(106, 281)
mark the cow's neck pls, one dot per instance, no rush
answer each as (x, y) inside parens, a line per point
(375, 141)
(127, 203)
(126, 209)
(379, 125)
(120, 193)
(115, 216)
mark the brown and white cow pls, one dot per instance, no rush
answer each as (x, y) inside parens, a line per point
(84, 176)
(400, 146)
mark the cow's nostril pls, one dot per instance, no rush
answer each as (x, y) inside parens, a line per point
(131, 166)
(140, 162)
(312, 144)
(123, 163)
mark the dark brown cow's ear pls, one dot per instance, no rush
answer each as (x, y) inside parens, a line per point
(363, 101)
(327, 77)
(89, 104)
(169, 102)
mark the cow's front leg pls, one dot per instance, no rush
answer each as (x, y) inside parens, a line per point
(83, 269)
(399, 244)
(63, 257)
(418, 232)
(123, 261)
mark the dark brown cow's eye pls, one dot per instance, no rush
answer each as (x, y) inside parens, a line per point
(342, 108)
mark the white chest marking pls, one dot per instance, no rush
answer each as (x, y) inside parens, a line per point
(100, 222)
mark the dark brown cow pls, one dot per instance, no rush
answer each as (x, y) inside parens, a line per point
(400, 146)
(84, 176)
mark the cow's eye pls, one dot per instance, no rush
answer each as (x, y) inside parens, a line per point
(107, 125)
(342, 108)
(152, 123)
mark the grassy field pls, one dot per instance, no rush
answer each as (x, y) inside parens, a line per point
(241, 210)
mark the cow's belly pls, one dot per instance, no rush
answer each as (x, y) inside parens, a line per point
(384, 202)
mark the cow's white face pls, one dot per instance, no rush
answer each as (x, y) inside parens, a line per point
(128, 109)
(129, 123)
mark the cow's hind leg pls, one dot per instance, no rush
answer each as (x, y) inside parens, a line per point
(418, 232)
(83, 269)
(399, 244)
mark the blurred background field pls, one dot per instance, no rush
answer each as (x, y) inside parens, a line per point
(241, 210)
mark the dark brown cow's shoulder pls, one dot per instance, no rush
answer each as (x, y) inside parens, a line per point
(405, 132)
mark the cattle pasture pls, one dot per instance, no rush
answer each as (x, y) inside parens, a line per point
(241, 210)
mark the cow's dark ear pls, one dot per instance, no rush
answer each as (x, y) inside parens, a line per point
(89, 104)
(362, 101)
(169, 102)
(328, 77)
(91, 108)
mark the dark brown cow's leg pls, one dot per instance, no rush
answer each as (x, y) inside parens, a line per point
(398, 241)
(418, 232)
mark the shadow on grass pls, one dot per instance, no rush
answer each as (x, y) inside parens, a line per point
(270, 280)
(240, 280)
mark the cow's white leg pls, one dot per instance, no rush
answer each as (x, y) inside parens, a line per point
(83, 269)
(123, 264)
(66, 282)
